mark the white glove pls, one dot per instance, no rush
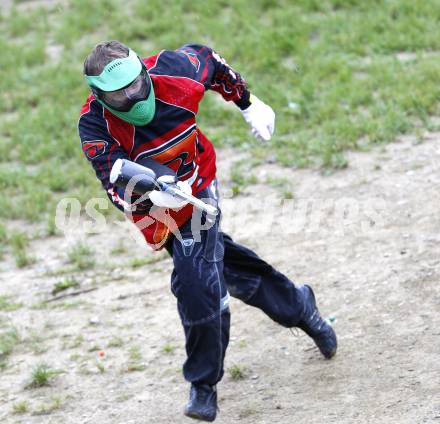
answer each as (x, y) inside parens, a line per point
(260, 117)
(165, 200)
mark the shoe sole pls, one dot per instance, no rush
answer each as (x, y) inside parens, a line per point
(195, 416)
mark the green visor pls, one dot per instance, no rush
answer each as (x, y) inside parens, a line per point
(125, 88)
(117, 74)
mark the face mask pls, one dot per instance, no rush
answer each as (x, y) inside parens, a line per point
(126, 90)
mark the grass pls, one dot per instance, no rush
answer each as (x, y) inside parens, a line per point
(169, 349)
(135, 353)
(94, 348)
(67, 283)
(8, 340)
(36, 343)
(132, 367)
(6, 304)
(116, 342)
(135, 360)
(3, 239)
(19, 243)
(119, 248)
(139, 262)
(48, 408)
(42, 375)
(81, 257)
(20, 407)
(100, 366)
(77, 342)
(241, 177)
(333, 70)
(237, 372)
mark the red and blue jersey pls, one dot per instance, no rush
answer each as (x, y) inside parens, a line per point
(180, 79)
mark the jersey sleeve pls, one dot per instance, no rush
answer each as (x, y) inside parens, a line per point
(101, 149)
(210, 69)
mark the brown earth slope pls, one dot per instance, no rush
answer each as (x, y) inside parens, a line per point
(368, 242)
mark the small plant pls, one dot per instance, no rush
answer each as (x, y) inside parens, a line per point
(71, 305)
(65, 284)
(20, 407)
(3, 234)
(237, 372)
(138, 262)
(51, 227)
(168, 349)
(241, 178)
(287, 195)
(131, 367)
(135, 353)
(278, 182)
(8, 340)
(100, 366)
(115, 342)
(77, 341)
(42, 375)
(40, 305)
(242, 344)
(81, 256)
(19, 242)
(46, 409)
(7, 306)
(119, 248)
(135, 363)
(94, 348)
(36, 342)
(23, 260)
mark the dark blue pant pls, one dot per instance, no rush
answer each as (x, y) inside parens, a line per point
(207, 265)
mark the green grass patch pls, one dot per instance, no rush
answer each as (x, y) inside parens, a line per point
(169, 349)
(81, 257)
(139, 262)
(19, 243)
(340, 75)
(7, 305)
(135, 353)
(67, 283)
(42, 375)
(36, 343)
(20, 407)
(8, 340)
(115, 342)
(119, 248)
(48, 408)
(241, 176)
(237, 372)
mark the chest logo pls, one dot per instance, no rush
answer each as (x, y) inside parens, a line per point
(181, 156)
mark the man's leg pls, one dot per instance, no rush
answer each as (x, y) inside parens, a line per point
(198, 284)
(255, 282)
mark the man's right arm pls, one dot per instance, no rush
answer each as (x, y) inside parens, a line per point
(101, 149)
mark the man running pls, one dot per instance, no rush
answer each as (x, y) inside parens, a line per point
(144, 110)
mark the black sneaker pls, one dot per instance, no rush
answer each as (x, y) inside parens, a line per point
(312, 323)
(202, 404)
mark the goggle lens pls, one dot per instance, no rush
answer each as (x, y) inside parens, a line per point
(123, 99)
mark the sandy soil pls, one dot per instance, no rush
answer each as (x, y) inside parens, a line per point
(368, 242)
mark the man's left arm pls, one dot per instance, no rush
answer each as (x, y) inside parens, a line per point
(210, 69)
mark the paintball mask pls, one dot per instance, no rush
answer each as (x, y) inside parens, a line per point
(124, 87)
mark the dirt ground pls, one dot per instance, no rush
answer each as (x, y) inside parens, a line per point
(370, 246)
